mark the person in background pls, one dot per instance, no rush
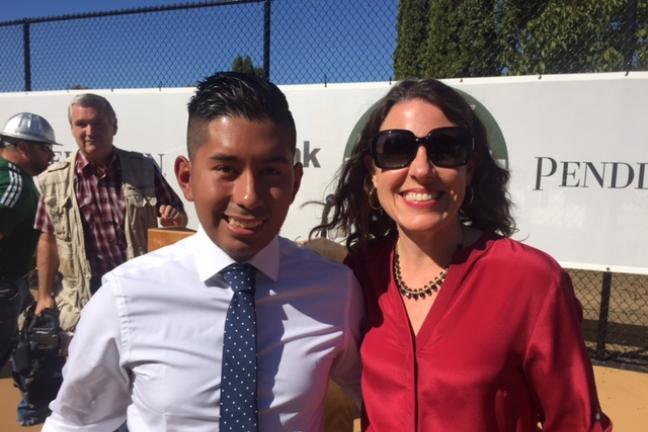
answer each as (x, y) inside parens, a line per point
(233, 328)
(25, 151)
(467, 329)
(95, 210)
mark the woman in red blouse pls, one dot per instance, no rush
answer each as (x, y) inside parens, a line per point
(467, 330)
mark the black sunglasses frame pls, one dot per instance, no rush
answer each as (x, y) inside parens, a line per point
(44, 146)
(461, 135)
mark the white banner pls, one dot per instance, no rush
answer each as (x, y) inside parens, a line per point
(576, 145)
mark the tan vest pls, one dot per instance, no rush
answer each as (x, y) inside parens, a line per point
(57, 187)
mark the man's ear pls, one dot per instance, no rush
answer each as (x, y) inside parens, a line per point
(182, 169)
(298, 172)
(115, 128)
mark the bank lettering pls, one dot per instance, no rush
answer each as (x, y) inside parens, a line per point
(584, 174)
(307, 156)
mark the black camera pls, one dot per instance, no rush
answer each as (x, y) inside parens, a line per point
(37, 360)
(44, 335)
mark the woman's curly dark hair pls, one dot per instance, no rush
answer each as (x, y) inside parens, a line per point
(487, 209)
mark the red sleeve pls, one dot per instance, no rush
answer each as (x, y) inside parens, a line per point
(558, 367)
(42, 222)
(350, 261)
(354, 261)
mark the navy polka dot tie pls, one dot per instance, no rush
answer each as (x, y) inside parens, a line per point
(238, 399)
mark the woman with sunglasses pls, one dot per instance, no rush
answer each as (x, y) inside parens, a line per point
(467, 330)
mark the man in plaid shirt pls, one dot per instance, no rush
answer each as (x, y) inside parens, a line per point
(95, 209)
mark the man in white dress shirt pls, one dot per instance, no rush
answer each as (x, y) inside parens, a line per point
(148, 348)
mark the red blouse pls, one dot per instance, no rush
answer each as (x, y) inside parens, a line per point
(501, 349)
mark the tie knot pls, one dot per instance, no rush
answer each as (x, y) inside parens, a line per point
(240, 277)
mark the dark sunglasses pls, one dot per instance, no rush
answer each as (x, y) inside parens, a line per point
(45, 147)
(446, 147)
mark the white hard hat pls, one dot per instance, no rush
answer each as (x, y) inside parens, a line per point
(29, 127)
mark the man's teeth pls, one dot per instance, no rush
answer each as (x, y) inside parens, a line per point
(421, 196)
(244, 223)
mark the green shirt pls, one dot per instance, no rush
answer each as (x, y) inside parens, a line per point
(18, 202)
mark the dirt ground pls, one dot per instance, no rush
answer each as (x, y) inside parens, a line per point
(623, 394)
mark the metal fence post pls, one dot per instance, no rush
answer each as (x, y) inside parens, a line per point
(601, 333)
(27, 55)
(266, 38)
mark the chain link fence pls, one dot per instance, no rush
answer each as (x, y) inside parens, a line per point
(615, 316)
(291, 41)
(152, 47)
(320, 41)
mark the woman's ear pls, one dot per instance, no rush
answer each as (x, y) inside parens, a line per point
(369, 164)
(471, 167)
(371, 168)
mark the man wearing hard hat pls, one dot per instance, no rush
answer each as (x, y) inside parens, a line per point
(25, 151)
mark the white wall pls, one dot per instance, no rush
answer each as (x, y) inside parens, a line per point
(583, 124)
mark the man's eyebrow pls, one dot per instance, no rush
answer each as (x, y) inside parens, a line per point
(277, 159)
(220, 157)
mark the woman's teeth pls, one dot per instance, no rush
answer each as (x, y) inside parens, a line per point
(422, 196)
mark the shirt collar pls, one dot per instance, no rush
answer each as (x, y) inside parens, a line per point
(83, 165)
(12, 165)
(211, 259)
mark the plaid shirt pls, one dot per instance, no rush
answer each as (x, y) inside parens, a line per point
(103, 209)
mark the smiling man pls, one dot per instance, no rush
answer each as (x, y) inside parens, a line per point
(234, 328)
(95, 210)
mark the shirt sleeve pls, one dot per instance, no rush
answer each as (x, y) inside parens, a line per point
(346, 367)
(95, 392)
(558, 367)
(164, 193)
(42, 222)
(11, 187)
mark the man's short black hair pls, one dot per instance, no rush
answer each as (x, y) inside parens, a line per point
(234, 94)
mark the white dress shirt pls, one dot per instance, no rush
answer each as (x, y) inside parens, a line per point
(149, 344)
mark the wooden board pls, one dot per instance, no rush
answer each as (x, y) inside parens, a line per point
(160, 237)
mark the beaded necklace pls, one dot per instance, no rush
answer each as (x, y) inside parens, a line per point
(416, 293)
(429, 288)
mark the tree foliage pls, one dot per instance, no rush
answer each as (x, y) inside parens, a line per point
(460, 37)
(464, 38)
(244, 64)
(412, 31)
